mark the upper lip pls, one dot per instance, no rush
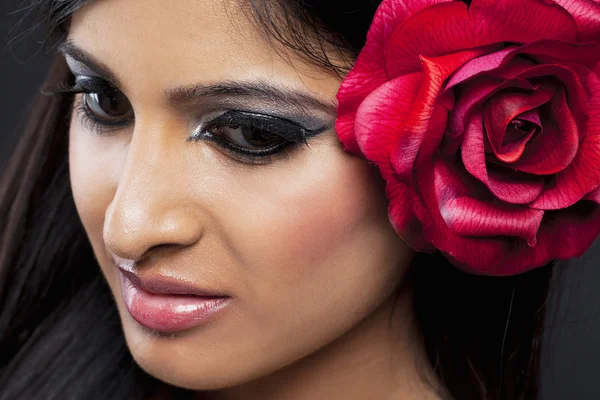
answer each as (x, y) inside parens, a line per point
(165, 285)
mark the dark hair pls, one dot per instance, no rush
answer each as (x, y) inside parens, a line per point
(60, 333)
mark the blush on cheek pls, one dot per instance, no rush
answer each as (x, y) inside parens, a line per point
(314, 219)
(331, 216)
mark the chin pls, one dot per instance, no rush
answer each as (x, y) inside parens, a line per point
(186, 360)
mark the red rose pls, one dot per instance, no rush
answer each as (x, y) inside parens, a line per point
(485, 122)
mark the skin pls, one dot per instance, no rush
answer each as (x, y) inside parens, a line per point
(302, 245)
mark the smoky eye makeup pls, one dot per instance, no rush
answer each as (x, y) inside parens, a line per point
(245, 136)
(254, 137)
(102, 107)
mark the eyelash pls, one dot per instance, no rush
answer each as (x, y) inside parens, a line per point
(91, 123)
(292, 134)
(289, 133)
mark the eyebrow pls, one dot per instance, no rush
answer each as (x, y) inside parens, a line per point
(190, 95)
(260, 89)
(70, 49)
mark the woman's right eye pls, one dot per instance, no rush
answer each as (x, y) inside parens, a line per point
(107, 108)
(103, 106)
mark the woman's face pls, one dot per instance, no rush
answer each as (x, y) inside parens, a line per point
(273, 250)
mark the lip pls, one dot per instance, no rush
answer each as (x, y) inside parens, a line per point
(164, 305)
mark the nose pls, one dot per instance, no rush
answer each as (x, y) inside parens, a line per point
(151, 207)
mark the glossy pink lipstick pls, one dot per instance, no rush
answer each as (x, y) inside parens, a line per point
(165, 305)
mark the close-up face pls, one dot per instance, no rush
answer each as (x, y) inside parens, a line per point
(235, 232)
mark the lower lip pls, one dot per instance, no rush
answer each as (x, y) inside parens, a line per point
(169, 312)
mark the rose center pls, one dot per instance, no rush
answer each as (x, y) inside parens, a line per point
(518, 129)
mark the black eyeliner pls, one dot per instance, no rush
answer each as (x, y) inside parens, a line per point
(286, 129)
(290, 135)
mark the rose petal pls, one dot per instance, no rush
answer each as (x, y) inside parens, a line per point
(368, 72)
(505, 107)
(467, 215)
(562, 235)
(554, 149)
(512, 188)
(512, 69)
(402, 216)
(435, 72)
(475, 92)
(587, 15)
(513, 60)
(571, 77)
(502, 256)
(583, 174)
(344, 127)
(565, 234)
(480, 254)
(381, 117)
(513, 137)
(388, 17)
(448, 27)
(594, 195)
(434, 227)
(477, 65)
(556, 52)
(403, 156)
(532, 116)
(357, 85)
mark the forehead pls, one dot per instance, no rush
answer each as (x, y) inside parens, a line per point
(178, 43)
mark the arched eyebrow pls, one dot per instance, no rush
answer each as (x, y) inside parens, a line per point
(69, 49)
(252, 90)
(189, 96)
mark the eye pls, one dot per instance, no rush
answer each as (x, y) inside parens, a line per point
(247, 136)
(254, 138)
(109, 107)
(247, 132)
(102, 107)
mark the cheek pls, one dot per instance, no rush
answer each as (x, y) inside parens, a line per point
(328, 211)
(316, 249)
(324, 216)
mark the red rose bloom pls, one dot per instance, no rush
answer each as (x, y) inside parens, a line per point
(484, 120)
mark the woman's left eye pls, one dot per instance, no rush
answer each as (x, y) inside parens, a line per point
(252, 137)
(247, 136)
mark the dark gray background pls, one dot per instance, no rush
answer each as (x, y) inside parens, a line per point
(573, 340)
(21, 72)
